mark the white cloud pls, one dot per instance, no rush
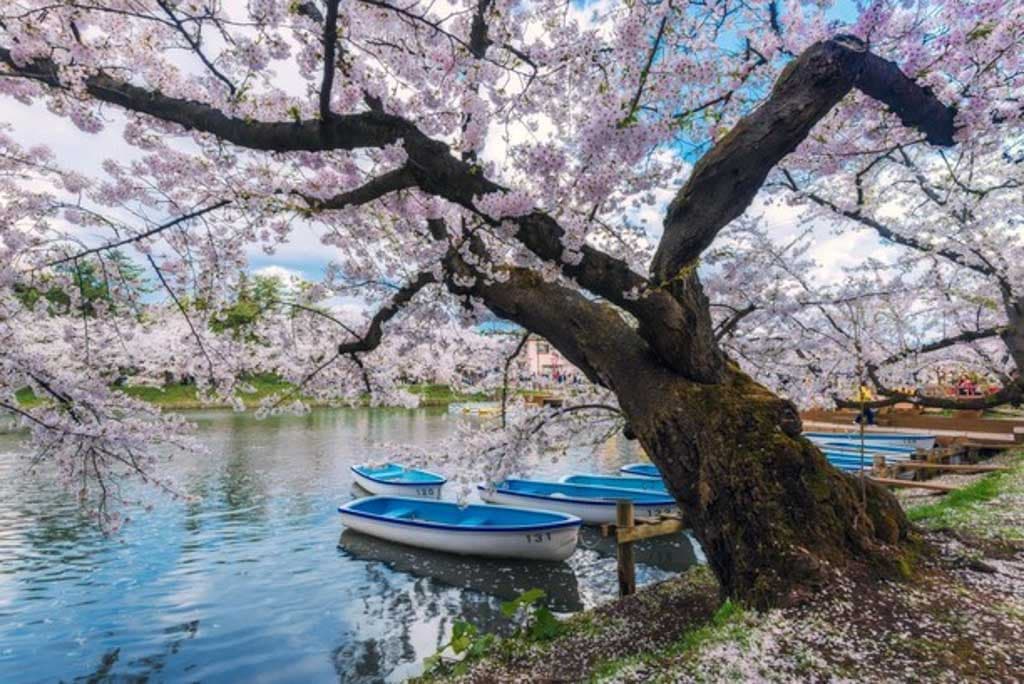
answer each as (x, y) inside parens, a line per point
(285, 275)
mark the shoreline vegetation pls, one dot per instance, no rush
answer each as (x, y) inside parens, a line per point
(182, 396)
(957, 614)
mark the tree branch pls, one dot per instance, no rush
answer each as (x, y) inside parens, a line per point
(887, 233)
(330, 47)
(504, 377)
(966, 336)
(726, 179)
(141, 236)
(373, 189)
(729, 324)
(375, 332)
(195, 45)
(343, 132)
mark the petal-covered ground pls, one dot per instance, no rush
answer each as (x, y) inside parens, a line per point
(959, 618)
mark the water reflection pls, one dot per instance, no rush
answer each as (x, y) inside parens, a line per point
(249, 582)
(503, 579)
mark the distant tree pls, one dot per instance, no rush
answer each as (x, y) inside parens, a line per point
(78, 288)
(255, 297)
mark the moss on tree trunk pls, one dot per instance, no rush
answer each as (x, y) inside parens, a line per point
(776, 520)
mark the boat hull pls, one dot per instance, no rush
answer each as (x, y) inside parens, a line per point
(591, 513)
(881, 439)
(423, 490)
(550, 544)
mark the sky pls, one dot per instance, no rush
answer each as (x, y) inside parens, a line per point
(304, 255)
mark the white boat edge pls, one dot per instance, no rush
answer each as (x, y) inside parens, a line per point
(420, 490)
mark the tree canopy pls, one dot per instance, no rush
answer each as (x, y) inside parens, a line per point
(502, 158)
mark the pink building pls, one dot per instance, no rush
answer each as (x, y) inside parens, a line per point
(545, 361)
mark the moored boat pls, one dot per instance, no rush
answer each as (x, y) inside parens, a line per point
(870, 451)
(395, 480)
(594, 505)
(474, 530)
(644, 484)
(873, 447)
(641, 469)
(917, 441)
(848, 462)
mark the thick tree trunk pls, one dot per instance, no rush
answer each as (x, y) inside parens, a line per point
(776, 521)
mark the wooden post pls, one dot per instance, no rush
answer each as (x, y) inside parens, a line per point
(627, 566)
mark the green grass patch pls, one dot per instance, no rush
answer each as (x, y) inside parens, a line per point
(27, 398)
(985, 489)
(179, 396)
(970, 508)
(434, 395)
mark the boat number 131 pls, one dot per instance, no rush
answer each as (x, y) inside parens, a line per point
(538, 537)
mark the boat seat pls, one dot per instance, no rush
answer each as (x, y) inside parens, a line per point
(405, 513)
(476, 520)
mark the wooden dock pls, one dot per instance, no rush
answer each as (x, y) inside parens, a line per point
(914, 484)
(948, 467)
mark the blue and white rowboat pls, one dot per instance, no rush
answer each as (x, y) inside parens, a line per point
(870, 451)
(644, 484)
(476, 530)
(641, 469)
(868, 446)
(395, 480)
(594, 505)
(848, 462)
(884, 438)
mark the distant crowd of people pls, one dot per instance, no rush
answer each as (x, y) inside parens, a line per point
(965, 387)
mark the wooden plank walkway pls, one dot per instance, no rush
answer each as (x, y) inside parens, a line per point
(951, 467)
(914, 484)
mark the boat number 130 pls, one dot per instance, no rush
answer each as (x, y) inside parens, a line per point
(425, 491)
(538, 537)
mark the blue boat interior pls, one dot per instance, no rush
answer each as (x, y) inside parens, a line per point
(447, 513)
(653, 484)
(648, 469)
(397, 474)
(555, 490)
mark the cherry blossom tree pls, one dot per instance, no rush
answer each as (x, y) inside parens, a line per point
(488, 158)
(888, 324)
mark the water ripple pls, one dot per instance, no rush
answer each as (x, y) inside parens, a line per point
(250, 583)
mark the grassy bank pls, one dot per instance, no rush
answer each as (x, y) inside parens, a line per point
(182, 396)
(961, 617)
(990, 507)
